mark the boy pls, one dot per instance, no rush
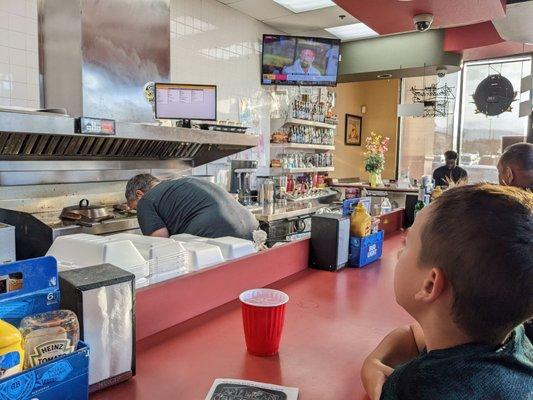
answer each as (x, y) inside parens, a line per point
(466, 276)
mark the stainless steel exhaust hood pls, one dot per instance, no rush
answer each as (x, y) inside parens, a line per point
(95, 56)
(37, 148)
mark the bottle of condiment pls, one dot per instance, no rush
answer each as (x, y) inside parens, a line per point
(11, 352)
(360, 221)
(419, 205)
(437, 192)
(48, 336)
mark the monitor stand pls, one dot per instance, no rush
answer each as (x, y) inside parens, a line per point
(185, 123)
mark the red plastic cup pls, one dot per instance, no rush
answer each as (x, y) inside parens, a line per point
(263, 314)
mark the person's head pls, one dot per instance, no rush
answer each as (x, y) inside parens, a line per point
(468, 260)
(450, 158)
(515, 167)
(307, 56)
(137, 187)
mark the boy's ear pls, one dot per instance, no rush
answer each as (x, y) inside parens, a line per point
(509, 176)
(432, 286)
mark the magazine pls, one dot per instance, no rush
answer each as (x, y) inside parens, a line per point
(236, 389)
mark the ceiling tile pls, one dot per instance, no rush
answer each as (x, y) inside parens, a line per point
(317, 33)
(311, 20)
(387, 16)
(261, 9)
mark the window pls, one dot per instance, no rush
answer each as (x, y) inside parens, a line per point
(481, 137)
(477, 138)
(423, 141)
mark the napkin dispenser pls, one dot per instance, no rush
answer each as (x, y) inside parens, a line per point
(102, 296)
(330, 237)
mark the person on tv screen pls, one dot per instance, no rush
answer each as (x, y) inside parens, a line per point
(303, 65)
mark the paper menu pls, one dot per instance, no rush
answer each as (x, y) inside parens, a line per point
(236, 389)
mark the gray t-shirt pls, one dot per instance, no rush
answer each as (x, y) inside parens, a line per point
(194, 206)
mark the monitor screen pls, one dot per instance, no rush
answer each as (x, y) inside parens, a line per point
(177, 101)
(294, 60)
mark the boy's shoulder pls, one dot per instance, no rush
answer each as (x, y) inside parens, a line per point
(471, 371)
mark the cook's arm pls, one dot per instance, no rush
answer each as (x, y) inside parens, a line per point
(398, 347)
(163, 232)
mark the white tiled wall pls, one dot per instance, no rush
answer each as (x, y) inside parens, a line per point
(213, 43)
(19, 62)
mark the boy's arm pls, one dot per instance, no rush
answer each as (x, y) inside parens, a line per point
(398, 347)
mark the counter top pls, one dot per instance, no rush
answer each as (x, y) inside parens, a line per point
(291, 210)
(381, 188)
(332, 321)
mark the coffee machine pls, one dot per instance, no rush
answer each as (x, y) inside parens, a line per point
(243, 181)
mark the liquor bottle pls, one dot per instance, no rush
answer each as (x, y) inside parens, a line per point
(419, 205)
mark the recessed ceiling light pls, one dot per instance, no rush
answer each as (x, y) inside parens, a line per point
(352, 31)
(298, 6)
(384, 76)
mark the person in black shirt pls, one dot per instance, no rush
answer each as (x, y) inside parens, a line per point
(187, 205)
(450, 171)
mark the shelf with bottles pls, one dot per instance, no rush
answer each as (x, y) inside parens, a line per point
(301, 146)
(304, 122)
(305, 136)
(300, 161)
(281, 170)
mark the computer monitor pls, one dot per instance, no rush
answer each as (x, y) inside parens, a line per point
(186, 102)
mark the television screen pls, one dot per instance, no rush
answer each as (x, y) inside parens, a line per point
(294, 60)
(178, 101)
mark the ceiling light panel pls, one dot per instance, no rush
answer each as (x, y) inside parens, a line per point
(298, 6)
(352, 31)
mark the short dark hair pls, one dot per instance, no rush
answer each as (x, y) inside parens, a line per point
(519, 155)
(143, 182)
(481, 236)
(451, 155)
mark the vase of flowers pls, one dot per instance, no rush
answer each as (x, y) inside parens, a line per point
(374, 157)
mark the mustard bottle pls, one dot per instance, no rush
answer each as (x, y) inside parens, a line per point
(360, 221)
(437, 192)
(11, 352)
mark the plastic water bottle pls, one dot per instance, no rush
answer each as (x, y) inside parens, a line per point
(386, 206)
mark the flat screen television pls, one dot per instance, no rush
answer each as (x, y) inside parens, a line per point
(296, 60)
(185, 101)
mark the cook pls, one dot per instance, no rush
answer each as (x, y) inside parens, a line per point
(187, 205)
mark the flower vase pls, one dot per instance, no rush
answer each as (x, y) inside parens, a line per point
(375, 179)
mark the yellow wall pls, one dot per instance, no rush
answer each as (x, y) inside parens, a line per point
(381, 100)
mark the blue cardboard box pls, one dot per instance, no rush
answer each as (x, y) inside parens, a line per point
(65, 378)
(349, 205)
(365, 250)
(39, 292)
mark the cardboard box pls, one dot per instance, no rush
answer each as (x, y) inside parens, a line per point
(65, 378)
(39, 292)
(365, 250)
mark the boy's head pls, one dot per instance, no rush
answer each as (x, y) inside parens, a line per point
(469, 257)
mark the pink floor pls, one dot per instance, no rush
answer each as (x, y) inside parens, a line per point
(332, 321)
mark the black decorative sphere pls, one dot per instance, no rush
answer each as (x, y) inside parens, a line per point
(494, 95)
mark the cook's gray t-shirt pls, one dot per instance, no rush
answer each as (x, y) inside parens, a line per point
(195, 206)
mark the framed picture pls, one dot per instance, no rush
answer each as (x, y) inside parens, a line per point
(353, 127)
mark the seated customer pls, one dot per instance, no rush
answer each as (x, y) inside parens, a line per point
(466, 276)
(187, 205)
(450, 172)
(515, 167)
